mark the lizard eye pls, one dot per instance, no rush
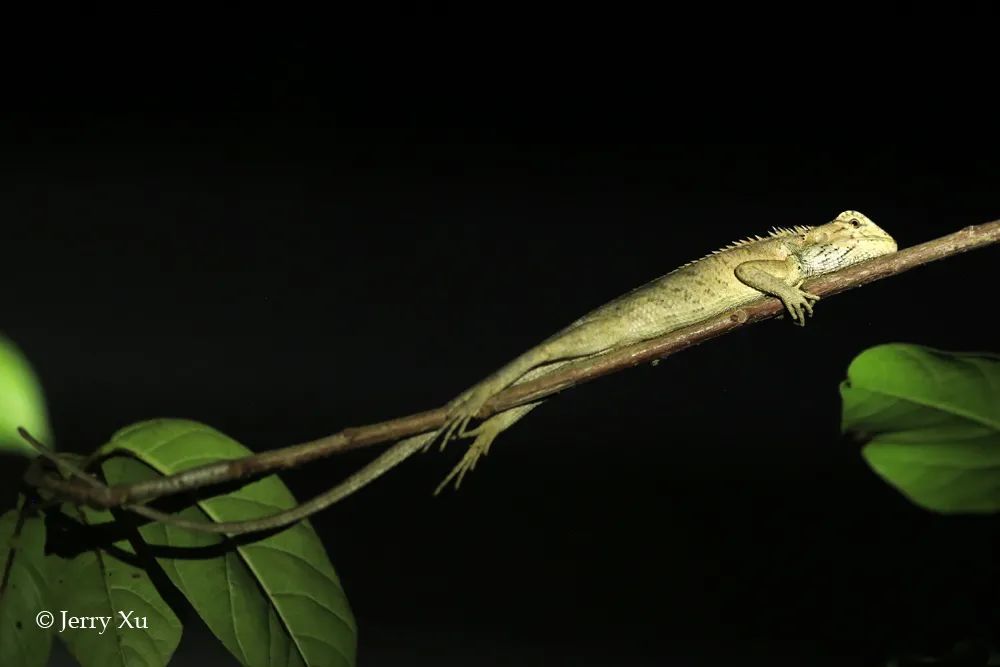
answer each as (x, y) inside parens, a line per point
(855, 222)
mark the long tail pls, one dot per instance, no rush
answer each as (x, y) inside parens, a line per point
(388, 459)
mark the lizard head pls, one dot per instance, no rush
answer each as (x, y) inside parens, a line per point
(849, 238)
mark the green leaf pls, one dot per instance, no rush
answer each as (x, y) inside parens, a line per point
(22, 591)
(931, 420)
(98, 584)
(273, 601)
(22, 402)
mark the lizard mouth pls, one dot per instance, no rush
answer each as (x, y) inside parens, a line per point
(872, 250)
(887, 244)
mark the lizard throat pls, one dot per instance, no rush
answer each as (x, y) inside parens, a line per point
(827, 258)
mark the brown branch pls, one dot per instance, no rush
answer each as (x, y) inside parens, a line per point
(570, 375)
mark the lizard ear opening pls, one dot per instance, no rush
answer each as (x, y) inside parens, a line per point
(855, 222)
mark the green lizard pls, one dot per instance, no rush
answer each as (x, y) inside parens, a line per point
(733, 276)
(736, 275)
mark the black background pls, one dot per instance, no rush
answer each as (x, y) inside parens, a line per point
(281, 247)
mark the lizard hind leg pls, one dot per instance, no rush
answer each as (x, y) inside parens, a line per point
(583, 340)
(484, 435)
(455, 422)
(463, 408)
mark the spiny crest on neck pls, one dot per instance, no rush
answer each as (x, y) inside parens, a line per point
(775, 232)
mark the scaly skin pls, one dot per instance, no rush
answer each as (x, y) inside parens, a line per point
(734, 276)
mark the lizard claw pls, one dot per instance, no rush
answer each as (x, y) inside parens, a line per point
(799, 304)
(459, 413)
(485, 435)
(452, 427)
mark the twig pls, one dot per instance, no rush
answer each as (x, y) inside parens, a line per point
(388, 459)
(570, 375)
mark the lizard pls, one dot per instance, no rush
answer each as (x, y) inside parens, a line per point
(735, 275)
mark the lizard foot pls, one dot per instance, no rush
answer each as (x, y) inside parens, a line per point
(799, 303)
(485, 434)
(459, 412)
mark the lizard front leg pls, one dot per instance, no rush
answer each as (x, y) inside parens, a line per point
(780, 278)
